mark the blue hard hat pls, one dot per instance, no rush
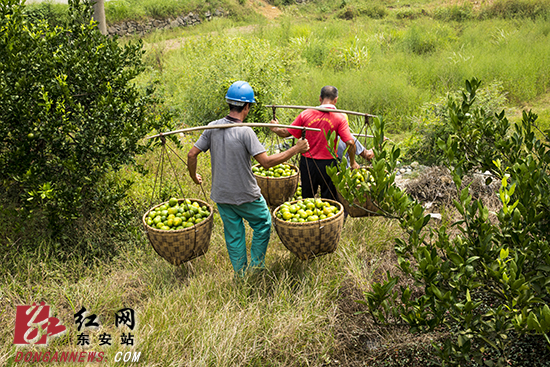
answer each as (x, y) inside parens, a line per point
(240, 92)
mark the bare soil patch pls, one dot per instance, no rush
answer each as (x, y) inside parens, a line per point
(267, 10)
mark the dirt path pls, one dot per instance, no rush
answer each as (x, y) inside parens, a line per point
(259, 6)
(267, 10)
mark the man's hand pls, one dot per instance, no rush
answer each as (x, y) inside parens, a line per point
(197, 179)
(274, 121)
(303, 145)
(355, 166)
(368, 154)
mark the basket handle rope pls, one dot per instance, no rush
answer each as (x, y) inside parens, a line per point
(185, 163)
(294, 158)
(161, 163)
(181, 189)
(278, 141)
(182, 193)
(307, 167)
(366, 126)
(309, 175)
(161, 168)
(164, 152)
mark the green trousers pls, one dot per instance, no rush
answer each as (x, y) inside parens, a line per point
(258, 217)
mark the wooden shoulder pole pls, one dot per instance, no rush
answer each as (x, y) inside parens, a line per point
(225, 126)
(322, 109)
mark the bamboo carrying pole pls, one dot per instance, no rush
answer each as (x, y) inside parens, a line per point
(361, 135)
(322, 109)
(225, 126)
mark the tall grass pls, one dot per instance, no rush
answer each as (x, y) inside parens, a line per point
(380, 67)
(195, 77)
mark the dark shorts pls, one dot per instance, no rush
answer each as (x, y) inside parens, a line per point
(313, 174)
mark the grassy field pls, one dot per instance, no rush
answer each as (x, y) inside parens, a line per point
(389, 59)
(389, 67)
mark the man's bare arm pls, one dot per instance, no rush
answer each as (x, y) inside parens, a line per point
(192, 165)
(280, 131)
(268, 161)
(351, 153)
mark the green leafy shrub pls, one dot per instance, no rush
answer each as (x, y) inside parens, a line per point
(337, 56)
(409, 13)
(314, 50)
(69, 114)
(119, 10)
(432, 123)
(512, 9)
(426, 37)
(488, 283)
(162, 9)
(53, 14)
(350, 12)
(458, 13)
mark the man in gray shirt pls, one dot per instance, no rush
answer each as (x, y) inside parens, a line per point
(234, 188)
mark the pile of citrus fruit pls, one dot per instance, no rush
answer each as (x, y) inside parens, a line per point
(307, 210)
(173, 215)
(280, 170)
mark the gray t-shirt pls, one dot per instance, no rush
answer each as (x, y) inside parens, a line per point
(230, 152)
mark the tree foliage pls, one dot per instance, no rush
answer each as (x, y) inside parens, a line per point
(489, 284)
(69, 112)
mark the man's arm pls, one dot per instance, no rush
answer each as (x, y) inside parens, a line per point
(192, 165)
(281, 131)
(351, 154)
(268, 161)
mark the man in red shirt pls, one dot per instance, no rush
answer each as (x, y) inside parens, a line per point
(313, 163)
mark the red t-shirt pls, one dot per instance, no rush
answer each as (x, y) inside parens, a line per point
(326, 121)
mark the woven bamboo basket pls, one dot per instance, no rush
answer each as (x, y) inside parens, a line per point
(356, 210)
(311, 239)
(182, 245)
(277, 190)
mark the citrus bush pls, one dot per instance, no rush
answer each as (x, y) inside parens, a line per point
(487, 285)
(432, 123)
(69, 113)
